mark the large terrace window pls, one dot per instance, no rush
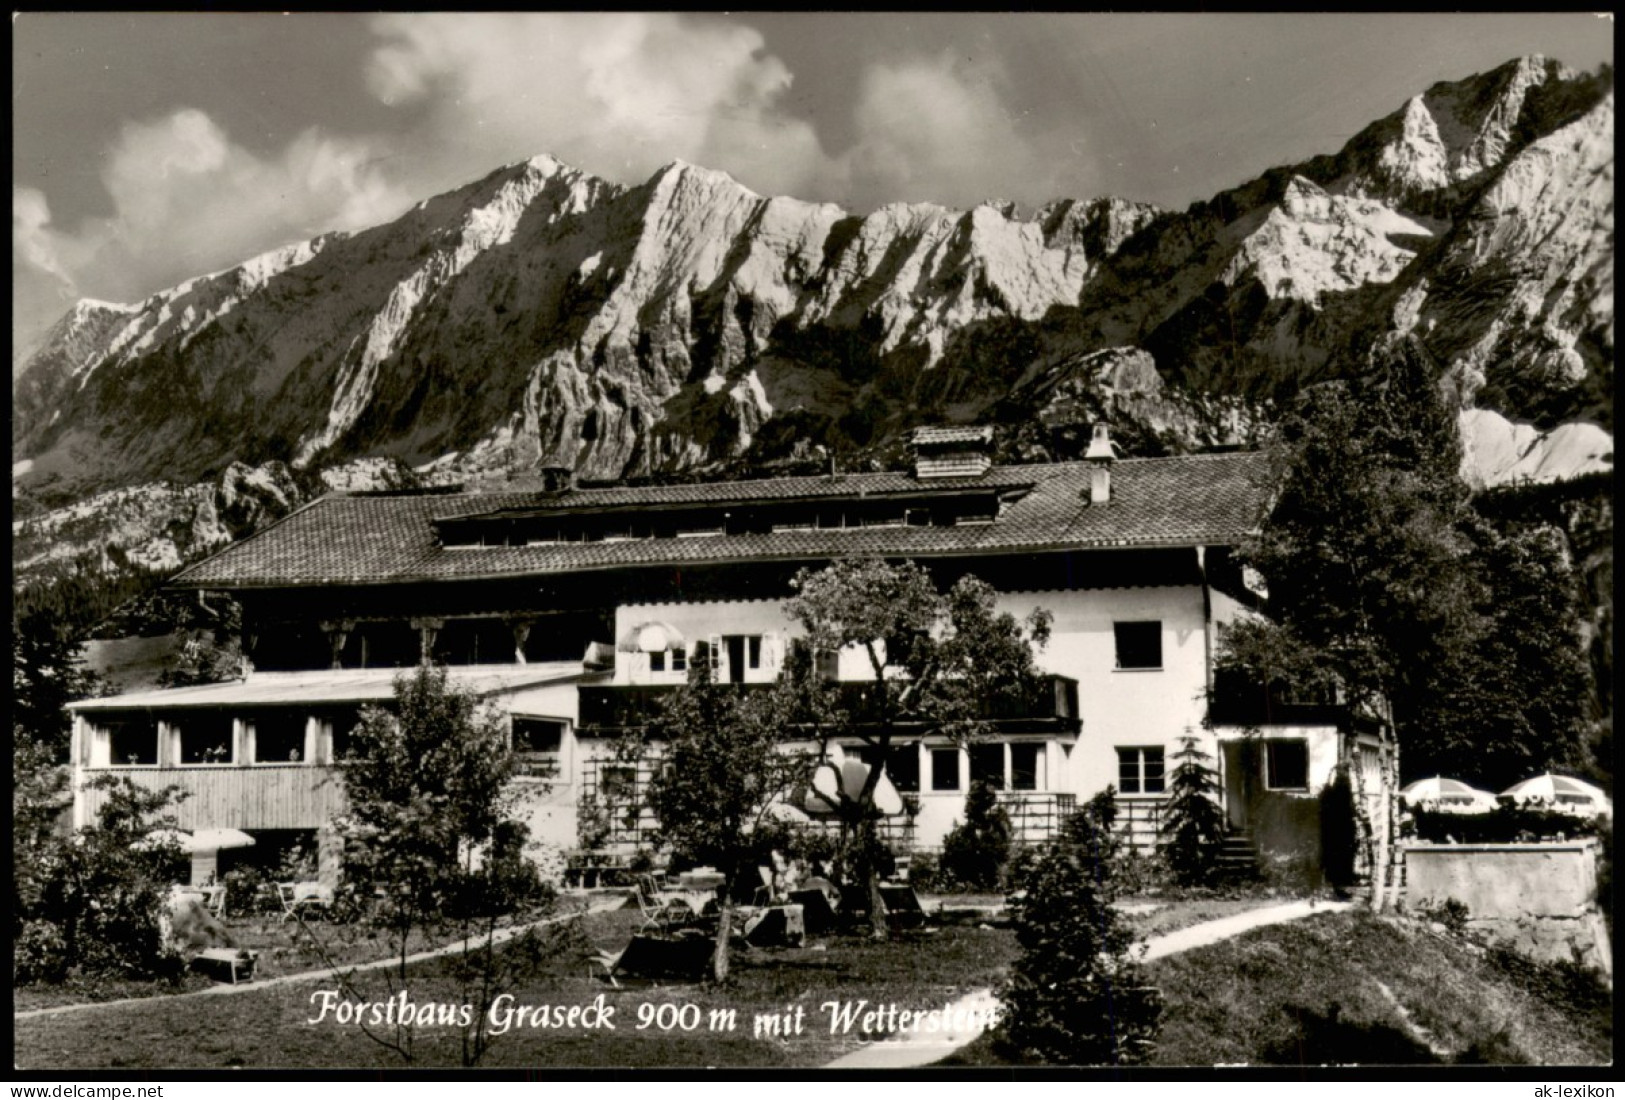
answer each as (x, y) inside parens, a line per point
(279, 739)
(204, 739)
(132, 742)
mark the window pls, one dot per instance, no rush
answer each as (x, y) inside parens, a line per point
(1139, 645)
(754, 644)
(944, 769)
(902, 765)
(1139, 771)
(657, 661)
(679, 659)
(1286, 765)
(987, 765)
(617, 784)
(827, 665)
(537, 742)
(132, 742)
(205, 739)
(279, 739)
(1024, 767)
(343, 722)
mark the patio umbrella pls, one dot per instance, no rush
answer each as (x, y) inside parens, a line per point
(1451, 795)
(851, 776)
(204, 840)
(650, 637)
(1564, 792)
(215, 839)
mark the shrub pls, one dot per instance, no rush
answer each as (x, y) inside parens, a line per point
(1077, 994)
(923, 871)
(974, 854)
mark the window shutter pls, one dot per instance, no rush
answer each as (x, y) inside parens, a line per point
(772, 652)
(719, 659)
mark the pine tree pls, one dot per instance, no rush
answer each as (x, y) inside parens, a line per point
(1077, 995)
(1193, 825)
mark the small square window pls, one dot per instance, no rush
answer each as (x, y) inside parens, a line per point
(1139, 644)
(1286, 765)
(1139, 771)
(657, 661)
(944, 769)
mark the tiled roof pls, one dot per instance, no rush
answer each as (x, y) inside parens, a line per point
(360, 539)
(336, 686)
(935, 437)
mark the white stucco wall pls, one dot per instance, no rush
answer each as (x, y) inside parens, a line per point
(1123, 707)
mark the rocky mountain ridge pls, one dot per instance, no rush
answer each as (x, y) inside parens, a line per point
(543, 316)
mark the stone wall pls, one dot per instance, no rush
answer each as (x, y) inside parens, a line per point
(1540, 898)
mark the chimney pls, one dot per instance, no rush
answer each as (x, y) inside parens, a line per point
(1099, 458)
(952, 452)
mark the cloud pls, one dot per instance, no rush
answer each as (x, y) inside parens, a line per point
(940, 129)
(188, 201)
(618, 94)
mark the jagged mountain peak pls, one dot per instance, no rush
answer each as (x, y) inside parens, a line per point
(544, 314)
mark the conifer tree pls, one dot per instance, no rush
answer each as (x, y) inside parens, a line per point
(1193, 823)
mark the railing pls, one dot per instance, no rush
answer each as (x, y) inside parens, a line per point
(1051, 704)
(1139, 821)
(1238, 703)
(262, 796)
(1036, 816)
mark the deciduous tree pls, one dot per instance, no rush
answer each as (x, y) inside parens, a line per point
(941, 663)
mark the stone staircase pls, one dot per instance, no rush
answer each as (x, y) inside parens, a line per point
(1238, 860)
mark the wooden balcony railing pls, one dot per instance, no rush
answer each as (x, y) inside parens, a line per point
(1051, 705)
(262, 796)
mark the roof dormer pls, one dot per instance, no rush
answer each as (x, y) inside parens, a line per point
(952, 452)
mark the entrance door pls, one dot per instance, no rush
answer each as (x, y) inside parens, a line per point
(1241, 780)
(736, 658)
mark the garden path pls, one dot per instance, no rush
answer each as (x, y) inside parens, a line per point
(922, 1049)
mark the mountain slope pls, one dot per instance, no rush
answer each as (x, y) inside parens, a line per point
(542, 316)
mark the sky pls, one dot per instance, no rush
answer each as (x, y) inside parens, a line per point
(152, 147)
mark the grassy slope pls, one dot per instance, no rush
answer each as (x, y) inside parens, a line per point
(1351, 989)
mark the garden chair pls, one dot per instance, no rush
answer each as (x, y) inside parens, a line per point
(304, 900)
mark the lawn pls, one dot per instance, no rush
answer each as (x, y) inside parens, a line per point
(285, 947)
(268, 1027)
(1350, 988)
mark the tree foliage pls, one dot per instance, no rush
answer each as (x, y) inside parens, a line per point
(1193, 825)
(91, 905)
(431, 826)
(718, 773)
(941, 663)
(47, 673)
(1381, 577)
(1077, 994)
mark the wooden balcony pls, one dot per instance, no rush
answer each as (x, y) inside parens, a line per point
(1052, 706)
(1236, 702)
(264, 796)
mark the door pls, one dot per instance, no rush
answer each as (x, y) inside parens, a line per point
(736, 658)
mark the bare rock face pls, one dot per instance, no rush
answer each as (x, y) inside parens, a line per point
(541, 316)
